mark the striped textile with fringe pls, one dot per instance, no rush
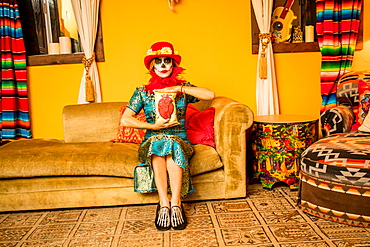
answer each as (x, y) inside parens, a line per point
(337, 28)
(14, 112)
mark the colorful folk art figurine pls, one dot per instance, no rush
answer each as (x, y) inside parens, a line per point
(297, 35)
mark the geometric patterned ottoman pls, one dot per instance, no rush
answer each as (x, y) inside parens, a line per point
(335, 179)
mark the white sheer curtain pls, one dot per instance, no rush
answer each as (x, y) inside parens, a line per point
(266, 88)
(87, 14)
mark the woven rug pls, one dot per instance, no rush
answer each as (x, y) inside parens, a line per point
(265, 218)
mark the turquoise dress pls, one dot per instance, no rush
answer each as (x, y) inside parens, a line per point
(170, 141)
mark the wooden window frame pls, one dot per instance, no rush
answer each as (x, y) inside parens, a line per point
(46, 59)
(37, 55)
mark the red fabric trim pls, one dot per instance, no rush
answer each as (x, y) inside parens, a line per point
(157, 82)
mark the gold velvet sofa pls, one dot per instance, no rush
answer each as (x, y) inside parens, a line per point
(87, 170)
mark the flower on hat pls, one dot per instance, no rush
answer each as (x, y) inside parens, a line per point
(161, 49)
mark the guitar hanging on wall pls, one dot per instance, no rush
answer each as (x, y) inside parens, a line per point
(282, 18)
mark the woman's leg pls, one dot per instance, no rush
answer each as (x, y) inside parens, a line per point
(160, 177)
(175, 175)
(162, 219)
(178, 217)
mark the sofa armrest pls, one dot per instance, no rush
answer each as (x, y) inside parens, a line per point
(337, 120)
(232, 120)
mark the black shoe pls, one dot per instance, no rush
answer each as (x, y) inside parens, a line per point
(178, 218)
(162, 218)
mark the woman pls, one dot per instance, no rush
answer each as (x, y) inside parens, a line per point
(165, 150)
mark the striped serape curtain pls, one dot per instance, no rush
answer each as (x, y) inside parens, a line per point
(14, 114)
(337, 29)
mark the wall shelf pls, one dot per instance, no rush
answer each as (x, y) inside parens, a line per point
(290, 47)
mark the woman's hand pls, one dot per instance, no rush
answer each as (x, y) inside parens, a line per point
(198, 92)
(164, 124)
(128, 120)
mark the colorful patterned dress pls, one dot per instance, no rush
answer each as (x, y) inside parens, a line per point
(170, 141)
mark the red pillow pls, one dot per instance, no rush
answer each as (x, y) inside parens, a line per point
(132, 135)
(364, 100)
(199, 125)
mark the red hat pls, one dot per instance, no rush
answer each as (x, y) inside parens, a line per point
(161, 49)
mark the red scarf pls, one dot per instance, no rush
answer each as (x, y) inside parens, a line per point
(157, 82)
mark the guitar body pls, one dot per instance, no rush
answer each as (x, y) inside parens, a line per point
(282, 28)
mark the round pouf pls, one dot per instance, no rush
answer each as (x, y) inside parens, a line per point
(335, 179)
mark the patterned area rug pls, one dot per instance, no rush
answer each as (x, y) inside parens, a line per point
(265, 218)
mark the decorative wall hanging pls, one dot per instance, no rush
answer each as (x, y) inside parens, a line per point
(14, 112)
(337, 30)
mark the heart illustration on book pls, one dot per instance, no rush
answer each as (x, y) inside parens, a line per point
(165, 106)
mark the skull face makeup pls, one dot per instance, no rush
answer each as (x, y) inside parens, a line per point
(163, 66)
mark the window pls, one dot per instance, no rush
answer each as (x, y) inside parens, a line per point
(43, 22)
(305, 10)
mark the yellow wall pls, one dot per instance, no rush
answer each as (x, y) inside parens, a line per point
(214, 40)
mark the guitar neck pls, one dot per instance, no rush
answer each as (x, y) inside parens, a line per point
(287, 6)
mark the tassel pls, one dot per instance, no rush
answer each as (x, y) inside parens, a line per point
(265, 39)
(89, 88)
(263, 66)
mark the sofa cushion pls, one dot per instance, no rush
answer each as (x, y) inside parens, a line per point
(365, 127)
(364, 101)
(50, 157)
(127, 134)
(336, 120)
(348, 87)
(41, 157)
(205, 159)
(342, 157)
(199, 125)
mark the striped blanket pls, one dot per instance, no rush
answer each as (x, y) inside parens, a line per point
(14, 113)
(337, 30)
